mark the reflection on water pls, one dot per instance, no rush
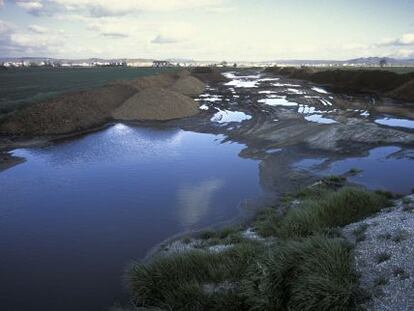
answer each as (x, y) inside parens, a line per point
(381, 169)
(396, 122)
(75, 213)
(195, 200)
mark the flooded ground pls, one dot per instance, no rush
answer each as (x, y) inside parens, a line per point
(75, 212)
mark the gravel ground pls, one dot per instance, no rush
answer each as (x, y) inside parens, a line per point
(384, 253)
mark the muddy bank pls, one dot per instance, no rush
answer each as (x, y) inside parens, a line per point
(386, 83)
(7, 161)
(161, 97)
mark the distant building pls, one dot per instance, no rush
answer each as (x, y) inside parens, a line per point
(161, 63)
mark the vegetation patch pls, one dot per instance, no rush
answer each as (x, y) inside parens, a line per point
(302, 264)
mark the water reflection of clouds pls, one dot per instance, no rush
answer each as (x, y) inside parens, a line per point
(117, 143)
(194, 200)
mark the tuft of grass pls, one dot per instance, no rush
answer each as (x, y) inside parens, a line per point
(359, 232)
(176, 282)
(266, 222)
(400, 273)
(335, 209)
(354, 171)
(400, 236)
(385, 236)
(381, 281)
(382, 257)
(315, 273)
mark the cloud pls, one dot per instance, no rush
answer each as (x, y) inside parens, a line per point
(31, 6)
(194, 200)
(405, 40)
(1, 4)
(101, 8)
(160, 39)
(37, 29)
(403, 53)
(114, 35)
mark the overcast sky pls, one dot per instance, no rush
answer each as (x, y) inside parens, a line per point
(207, 29)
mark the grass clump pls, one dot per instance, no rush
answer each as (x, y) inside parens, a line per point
(266, 222)
(400, 273)
(359, 232)
(305, 266)
(315, 273)
(335, 209)
(176, 282)
(382, 257)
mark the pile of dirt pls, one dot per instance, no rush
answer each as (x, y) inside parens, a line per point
(156, 104)
(68, 113)
(208, 74)
(189, 86)
(404, 92)
(164, 80)
(399, 86)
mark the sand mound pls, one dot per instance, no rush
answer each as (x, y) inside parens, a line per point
(156, 104)
(208, 74)
(189, 86)
(164, 80)
(404, 92)
(68, 113)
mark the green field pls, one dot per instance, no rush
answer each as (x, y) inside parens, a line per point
(23, 86)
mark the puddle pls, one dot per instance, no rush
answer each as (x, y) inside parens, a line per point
(319, 90)
(308, 164)
(280, 101)
(325, 102)
(295, 91)
(242, 83)
(268, 79)
(318, 118)
(380, 170)
(286, 85)
(210, 98)
(75, 213)
(395, 122)
(227, 116)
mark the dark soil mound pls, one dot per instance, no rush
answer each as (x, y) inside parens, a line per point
(404, 92)
(156, 104)
(208, 74)
(164, 80)
(361, 80)
(189, 86)
(399, 86)
(68, 113)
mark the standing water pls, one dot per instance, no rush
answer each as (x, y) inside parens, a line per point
(75, 213)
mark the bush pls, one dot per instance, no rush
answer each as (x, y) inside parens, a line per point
(315, 273)
(176, 282)
(335, 209)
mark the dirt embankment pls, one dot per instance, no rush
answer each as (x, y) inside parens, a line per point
(398, 86)
(160, 97)
(156, 104)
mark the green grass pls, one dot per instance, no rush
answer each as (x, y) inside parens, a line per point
(315, 273)
(335, 209)
(176, 282)
(306, 265)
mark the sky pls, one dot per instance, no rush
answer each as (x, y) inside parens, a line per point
(232, 30)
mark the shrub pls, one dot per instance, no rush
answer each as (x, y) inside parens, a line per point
(315, 273)
(176, 282)
(335, 209)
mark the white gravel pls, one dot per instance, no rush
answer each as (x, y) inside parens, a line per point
(384, 255)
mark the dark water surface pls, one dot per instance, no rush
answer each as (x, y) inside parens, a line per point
(77, 212)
